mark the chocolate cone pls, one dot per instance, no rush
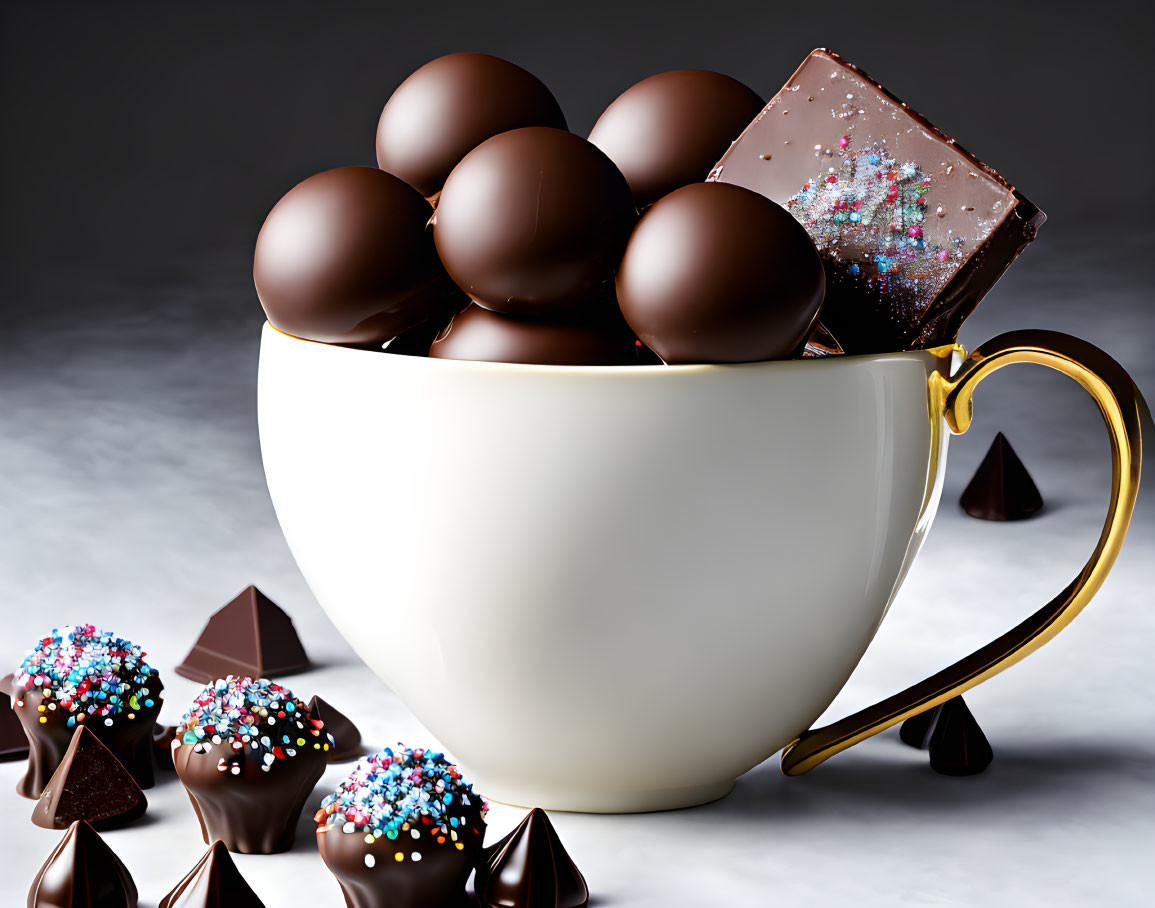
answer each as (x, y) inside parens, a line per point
(162, 736)
(958, 746)
(251, 636)
(13, 741)
(214, 882)
(89, 784)
(344, 732)
(1001, 489)
(82, 872)
(916, 730)
(530, 868)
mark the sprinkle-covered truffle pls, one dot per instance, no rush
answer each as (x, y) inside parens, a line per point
(93, 675)
(255, 716)
(411, 793)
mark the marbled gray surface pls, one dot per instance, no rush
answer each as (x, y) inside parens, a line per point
(131, 496)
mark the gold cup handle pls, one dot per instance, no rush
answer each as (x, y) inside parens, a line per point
(1119, 402)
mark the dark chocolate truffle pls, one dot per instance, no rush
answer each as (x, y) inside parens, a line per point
(404, 830)
(249, 755)
(214, 882)
(82, 872)
(670, 129)
(346, 737)
(346, 257)
(718, 274)
(79, 675)
(530, 868)
(532, 221)
(89, 784)
(1001, 488)
(595, 337)
(251, 636)
(450, 106)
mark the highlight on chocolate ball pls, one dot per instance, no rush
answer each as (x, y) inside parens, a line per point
(571, 394)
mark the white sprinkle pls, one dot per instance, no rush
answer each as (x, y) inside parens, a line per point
(370, 860)
(416, 856)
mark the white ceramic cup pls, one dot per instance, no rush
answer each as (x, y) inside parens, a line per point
(609, 588)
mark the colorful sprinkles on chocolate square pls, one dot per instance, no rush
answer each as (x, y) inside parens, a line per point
(403, 825)
(249, 753)
(913, 230)
(79, 675)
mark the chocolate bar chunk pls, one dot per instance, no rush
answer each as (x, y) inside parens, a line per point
(913, 230)
(251, 636)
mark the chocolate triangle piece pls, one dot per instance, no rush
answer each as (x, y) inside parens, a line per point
(251, 636)
(214, 882)
(1001, 489)
(13, 741)
(344, 732)
(89, 784)
(916, 730)
(82, 872)
(530, 868)
(958, 746)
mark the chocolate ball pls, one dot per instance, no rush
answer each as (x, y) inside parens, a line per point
(715, 273)
(532, 221)
(669, 130)
(346, 257)
(594, 337)
(450, 106)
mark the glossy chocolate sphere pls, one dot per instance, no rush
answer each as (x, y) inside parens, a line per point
(450, 106)
(346, 257)
(533, 221)
(715, 273)
(669, 130)
(595, 337)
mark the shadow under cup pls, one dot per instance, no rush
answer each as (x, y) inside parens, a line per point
(603, 588)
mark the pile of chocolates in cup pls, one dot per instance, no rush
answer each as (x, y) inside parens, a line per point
(404, 829)
(697, 223)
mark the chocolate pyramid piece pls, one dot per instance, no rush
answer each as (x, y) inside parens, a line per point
(345, 733)
(530, 868)
(250, 636)
(1001, 489)
(89, 784)
(214, 882)
(916, 730)
(13, 741)
(82, 872)
(958, 746)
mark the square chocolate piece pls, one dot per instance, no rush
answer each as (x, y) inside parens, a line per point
(913, 230)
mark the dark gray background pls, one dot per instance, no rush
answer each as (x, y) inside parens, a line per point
(145, 140)
(141, 145)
